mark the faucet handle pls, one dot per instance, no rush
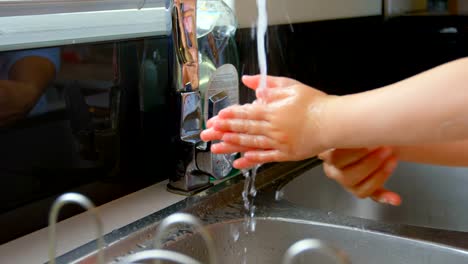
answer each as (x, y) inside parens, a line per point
(217, 165)
(188, 178)
(217, 102)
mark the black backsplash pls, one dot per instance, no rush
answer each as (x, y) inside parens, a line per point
(353, 55)
(107, 109)
(93, 136)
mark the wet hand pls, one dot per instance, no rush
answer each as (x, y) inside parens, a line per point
(284, 126)
(363, 172)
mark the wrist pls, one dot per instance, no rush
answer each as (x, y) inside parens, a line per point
(331, 129)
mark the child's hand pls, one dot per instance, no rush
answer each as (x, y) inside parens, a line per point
(362, 172)
(284, 126)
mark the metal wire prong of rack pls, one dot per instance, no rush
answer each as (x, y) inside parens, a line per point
(183, 218)
(305, 245)
(86, 204)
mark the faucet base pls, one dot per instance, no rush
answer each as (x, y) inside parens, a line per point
(176, 190)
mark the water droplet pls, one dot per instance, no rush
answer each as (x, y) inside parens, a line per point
(253, 190)
(235, 233)
(253, 224)
(141, 246)
(279, 195)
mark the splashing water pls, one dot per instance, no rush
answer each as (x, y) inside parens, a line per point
(235, 233)
(244, 260)
(248, 201)
(262, 26)
(250, 190)
(248, 195)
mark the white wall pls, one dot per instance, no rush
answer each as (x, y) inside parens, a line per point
(293, 11)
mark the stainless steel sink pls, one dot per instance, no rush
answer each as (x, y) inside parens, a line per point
(281, 223)
(433, 196)
(272, 238)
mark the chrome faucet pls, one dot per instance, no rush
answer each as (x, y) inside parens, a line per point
(194, 161)
(188, 178)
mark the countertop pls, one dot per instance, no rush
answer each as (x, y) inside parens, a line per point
(79, 230)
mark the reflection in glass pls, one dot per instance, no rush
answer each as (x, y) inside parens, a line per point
(80, 118)
(24, 78)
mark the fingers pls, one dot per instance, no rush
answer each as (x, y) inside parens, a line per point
(265, 156)
(272, 82)
(248, 111)
(250, 141)
(341, 158)
(268, 95)
(250, 127)
(363, 172)
(211, 121)
(386, 197)
(234, 121)
(254, 157)
(375, 181)
(271, 95)
(227, 148)
(358, 171)
(244, 163)
(211, 134)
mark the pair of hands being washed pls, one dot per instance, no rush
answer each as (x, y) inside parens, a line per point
(288, 126)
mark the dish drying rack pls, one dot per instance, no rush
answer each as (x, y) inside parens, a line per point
(158, 254)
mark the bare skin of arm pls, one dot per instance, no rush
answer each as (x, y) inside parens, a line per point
(28, 78)
(431, 107)
(445, 154)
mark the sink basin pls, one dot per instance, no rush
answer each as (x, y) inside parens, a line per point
(272, 237)
(322, 210)
(433, 196)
